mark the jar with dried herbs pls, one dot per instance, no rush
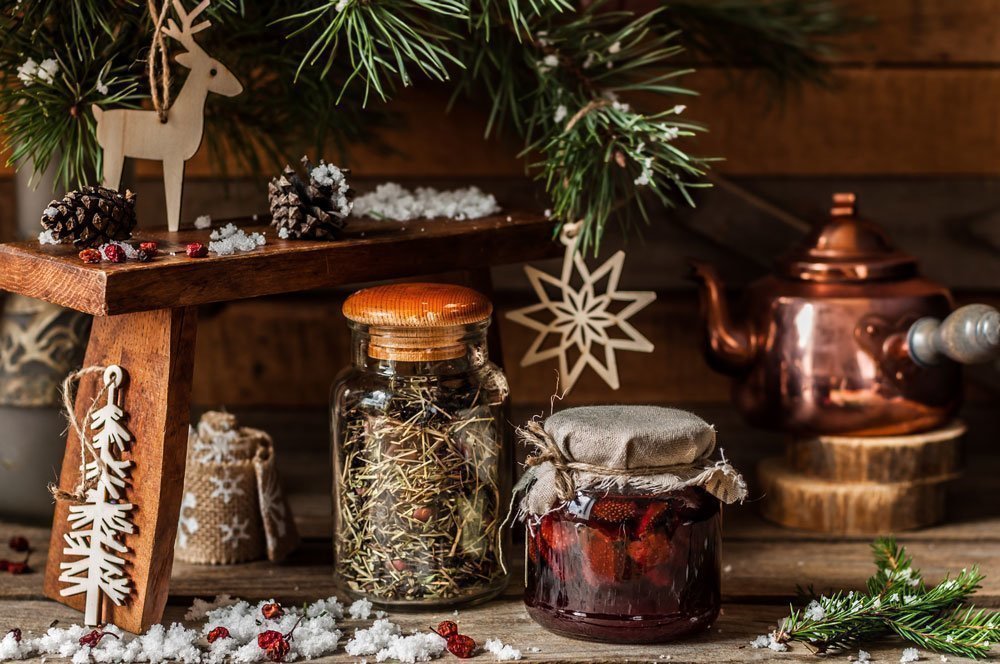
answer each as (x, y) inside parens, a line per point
(421, 466)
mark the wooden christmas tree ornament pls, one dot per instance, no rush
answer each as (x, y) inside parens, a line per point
(169, 133)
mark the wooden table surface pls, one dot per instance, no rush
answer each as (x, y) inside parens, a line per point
(762, 562)
(370, 250)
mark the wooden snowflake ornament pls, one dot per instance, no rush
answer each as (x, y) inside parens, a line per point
(98, 525)
(583, 319)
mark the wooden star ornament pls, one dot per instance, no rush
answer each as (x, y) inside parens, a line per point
(585, 321)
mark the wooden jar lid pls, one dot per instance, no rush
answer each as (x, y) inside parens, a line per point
(417, 321)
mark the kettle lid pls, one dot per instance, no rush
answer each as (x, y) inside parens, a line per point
(847, 248)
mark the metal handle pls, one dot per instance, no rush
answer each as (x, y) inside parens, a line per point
(970, 335)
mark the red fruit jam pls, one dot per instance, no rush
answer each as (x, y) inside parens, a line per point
(626, 568)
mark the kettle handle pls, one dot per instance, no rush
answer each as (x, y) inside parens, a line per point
(969, 335)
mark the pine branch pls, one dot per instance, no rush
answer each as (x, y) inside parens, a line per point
(789, 41)
(897, 602)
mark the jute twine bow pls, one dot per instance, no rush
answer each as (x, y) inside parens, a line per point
(79, 494)
(159, 87)
(547, 451)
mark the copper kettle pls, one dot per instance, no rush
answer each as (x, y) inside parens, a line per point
(845, 337)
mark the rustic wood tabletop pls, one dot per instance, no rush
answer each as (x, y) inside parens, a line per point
(762, 563)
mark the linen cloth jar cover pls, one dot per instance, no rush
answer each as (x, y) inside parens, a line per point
(622, 506)
(421, 466)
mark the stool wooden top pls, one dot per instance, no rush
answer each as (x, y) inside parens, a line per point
(371, 250)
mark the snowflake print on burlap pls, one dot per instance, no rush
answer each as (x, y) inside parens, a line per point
(234, 532)
(220, 447)
(272, 506)
(225, 486)
(188, 524)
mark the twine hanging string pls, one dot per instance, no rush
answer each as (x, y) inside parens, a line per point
(79, 494)
(159, 86)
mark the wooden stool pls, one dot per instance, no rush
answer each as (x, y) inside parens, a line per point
(862, 486)
(146, 322)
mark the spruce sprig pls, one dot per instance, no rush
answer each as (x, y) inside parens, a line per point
(897, 602)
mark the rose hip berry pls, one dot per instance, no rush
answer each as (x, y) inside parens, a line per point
(446, 628)
(196, 250)
(17, 634)
(94, 638)
(143, 256)
(274, 644)
(150, 248)
(17, 568)
(217, 633)
(461, 646)
(114, 253)
(272, 611)
(90, 256)
(19, 544)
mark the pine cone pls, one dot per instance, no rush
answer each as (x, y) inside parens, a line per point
(91, 216)
(316, 210)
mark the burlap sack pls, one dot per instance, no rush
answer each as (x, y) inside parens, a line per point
(233, 509)
(645, 448)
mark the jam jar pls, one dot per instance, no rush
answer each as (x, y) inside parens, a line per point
(421, 440)
(628, 568)
(622, 508)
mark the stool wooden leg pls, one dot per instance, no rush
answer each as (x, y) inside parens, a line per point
(156, 349)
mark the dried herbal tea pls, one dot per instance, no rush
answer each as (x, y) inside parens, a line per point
(421, 485)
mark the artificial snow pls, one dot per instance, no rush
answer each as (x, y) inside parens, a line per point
(560, 113)
(283, 233)
(384, 640)
(909, 655)
(768, 641)
(361, 609)
(391, 201)
(815, 611)
(10, 648)
(230, 239)
(47, 70)
(203, 222)
(501, 651)
(46, 237)
(418, 647)
(863, 656)
(328, 175)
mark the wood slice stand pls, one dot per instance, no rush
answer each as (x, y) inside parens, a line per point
(147, 324)
(848, 485)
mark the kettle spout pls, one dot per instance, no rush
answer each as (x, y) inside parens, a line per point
(729, 348)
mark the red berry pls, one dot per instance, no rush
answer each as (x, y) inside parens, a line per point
(650, 550)
(114, 253)
(150, 248)
(17, 634)
(274, 644)
(19, 544)
(90, 256)
(614, 510)
(603, 560)
(196, 250)
(272, 611)
(447, 628)
(143, 256)
(217, 633)
(94, 638)
(461, 646)
(422, 514)
(18, 568)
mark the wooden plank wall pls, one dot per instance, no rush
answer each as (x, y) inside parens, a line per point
(910, 120)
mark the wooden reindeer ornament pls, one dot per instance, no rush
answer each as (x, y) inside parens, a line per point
(174, 135)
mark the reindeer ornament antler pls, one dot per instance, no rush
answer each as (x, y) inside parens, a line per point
(174, 139)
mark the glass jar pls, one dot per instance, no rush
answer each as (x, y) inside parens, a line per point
(626, 567)
(421, 472)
